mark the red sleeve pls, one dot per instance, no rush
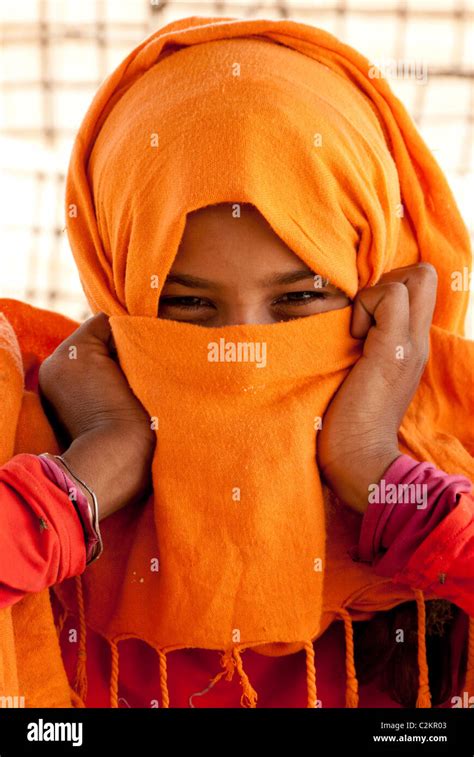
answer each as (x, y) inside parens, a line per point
(444, 562)
(41, 535)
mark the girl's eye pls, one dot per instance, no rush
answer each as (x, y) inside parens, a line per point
(185, 303)
(301, 298)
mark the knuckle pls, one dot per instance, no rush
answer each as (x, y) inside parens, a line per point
(426, 272)
(97, 325)
(396, 289)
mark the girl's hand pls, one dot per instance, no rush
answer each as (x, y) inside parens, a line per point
(89, 401)
(85, 387)
(358, 441)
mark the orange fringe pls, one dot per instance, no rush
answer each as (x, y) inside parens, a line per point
(249, 696)
(469, 682)
(231, 660)
(352, 684)
(424, 694)
(227, 662)
(311, 675)
(61, 621)
(76, 700)
(114, 673)
(80, 684)
(165, 697)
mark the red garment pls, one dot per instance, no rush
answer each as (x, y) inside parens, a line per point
(406, 519)
(56, 551)
(400, 540)
(52, 545)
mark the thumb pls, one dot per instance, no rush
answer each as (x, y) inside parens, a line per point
(97, 328)
(385, 306)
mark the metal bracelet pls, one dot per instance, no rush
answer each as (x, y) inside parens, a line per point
(95, 514)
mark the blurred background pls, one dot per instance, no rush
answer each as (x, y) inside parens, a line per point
(55, 53)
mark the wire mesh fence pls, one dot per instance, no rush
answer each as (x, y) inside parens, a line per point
(55, 53)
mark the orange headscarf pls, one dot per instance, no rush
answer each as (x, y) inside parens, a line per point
(241, 545)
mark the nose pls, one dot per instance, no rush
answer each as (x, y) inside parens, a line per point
(244, 313)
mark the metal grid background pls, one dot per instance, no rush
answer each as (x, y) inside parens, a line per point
(55, 53)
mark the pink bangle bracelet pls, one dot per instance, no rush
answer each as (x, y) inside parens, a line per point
(88, 515)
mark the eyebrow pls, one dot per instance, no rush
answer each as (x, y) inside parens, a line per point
(194, 282)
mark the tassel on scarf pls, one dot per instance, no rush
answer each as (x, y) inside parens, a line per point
(469, 682)
(311, 675)
(249, 696)
(424, 694)
(352, 684)
(80, 684)
(114, 673)
(76, 700)
(226, 662)
(231, 660)
(61, 621)
(165, 697)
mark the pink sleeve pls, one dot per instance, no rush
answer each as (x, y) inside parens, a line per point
(41, 535)
(444, 562)
(415, 513)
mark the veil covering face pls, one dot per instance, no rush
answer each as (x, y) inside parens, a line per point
(241, 545)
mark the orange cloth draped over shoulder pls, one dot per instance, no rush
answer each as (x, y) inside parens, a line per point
(241, 545)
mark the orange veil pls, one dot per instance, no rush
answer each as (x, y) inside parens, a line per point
(241, 546)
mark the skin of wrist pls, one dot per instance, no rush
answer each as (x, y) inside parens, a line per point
(114, 465)
(350, 474)
(363, 475)
(76, 483)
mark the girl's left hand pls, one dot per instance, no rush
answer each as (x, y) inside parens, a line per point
(358, 441)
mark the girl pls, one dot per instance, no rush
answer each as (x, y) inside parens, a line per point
(298, 212)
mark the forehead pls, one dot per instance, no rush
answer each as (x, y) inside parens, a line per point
(225, 218)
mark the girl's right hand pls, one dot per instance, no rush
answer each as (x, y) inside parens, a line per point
(88, 400)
